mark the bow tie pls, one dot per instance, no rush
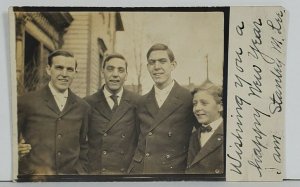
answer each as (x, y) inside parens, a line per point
(205, 129)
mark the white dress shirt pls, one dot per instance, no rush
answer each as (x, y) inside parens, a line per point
(162, 94)
(204, 137)
(109, 100)
(60, 98)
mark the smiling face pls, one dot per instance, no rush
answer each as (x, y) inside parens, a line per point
(205, 108)
(115, 74)
(160, 68)
(62, 72)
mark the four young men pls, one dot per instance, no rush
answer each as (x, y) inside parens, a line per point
(113, 131)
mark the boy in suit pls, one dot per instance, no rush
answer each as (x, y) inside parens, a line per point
(206, 149)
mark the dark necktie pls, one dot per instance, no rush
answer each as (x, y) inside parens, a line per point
(205, 128)
(115, 99)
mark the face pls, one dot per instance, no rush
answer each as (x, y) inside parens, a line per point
(62, 72)
(205, 108)
(115, 74)
(160, 68)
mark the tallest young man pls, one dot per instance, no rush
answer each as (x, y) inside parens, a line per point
(166, 119)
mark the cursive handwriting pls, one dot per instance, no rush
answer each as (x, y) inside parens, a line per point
(278, 22)
(276, 44)
(239, 28)
(235, 160)
(257, 141)
(256, 51)
(255, 90)
(276, 154)
(238, 60)
(276, 98)
(258, 97)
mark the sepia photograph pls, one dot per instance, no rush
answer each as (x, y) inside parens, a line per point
(116, 94)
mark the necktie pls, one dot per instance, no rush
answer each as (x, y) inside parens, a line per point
(205, 128)
(115, 99)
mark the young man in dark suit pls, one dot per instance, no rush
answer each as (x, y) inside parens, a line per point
(166, 119)
(113, 128)
(53, 122)
(206, 150)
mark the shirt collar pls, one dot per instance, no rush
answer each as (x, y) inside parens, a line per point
(107, 94)
(215, 124)
(56, 93)
(166, 90)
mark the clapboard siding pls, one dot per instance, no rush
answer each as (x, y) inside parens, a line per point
(82, 39)
(76, 40)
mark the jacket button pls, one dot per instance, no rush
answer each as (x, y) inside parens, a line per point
(219, 139)
(217, 171)
(150, 133)
(58, 153)
(105, 134)
(123, 136)
(169, 134)
(104, 152)
(59, 136)
(147, 154)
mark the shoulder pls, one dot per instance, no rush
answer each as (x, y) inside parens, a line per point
(182, 92)
(80, 101)
(91, 99)
(132, 96)
(146, 96)
(31, 97)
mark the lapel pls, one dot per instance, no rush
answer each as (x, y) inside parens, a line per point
(102, 106)
(151, 104)
(71, 103)
(215, 141)
(49, 99)
(171, 104)
(121, 110)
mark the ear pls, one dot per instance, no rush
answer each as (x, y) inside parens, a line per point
(126, 76)
(48, 70)
(174, 64)
(220, 107)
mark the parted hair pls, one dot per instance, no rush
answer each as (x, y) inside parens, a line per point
(60, 52)
(114, 55)
(163, 47)
(213, 90)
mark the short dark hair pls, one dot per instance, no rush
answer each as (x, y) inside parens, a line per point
(213, 90)
(114, 55)
(60, 52)
(163, 47)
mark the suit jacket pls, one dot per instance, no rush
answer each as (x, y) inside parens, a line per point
(112, 136)
(165, 132)
(210, 158)
(58, 138)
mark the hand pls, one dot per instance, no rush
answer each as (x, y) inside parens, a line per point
(23, 148)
